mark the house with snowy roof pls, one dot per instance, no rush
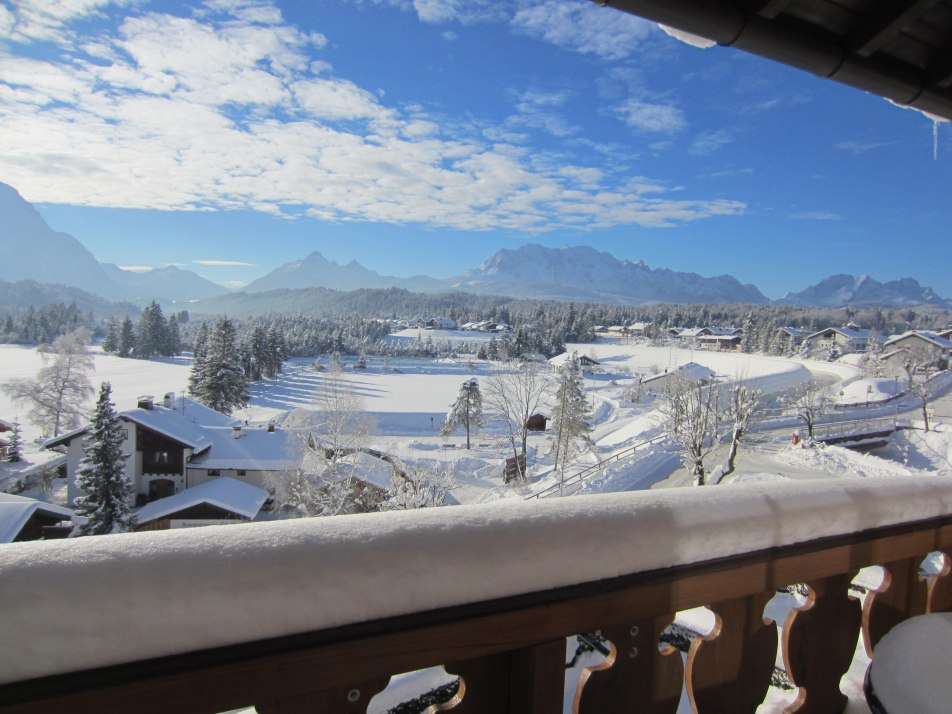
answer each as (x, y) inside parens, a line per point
(220, 501)
(23, 518)
(838, 340)
(923, 342)
(437, 323)
(692, 371)
(178, 443)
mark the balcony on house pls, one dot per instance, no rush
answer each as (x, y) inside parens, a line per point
(315, 615)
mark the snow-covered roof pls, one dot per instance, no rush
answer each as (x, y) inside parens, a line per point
(226, 493)
(15, 511)
(65, 437)
(793, 331)
(848, 332)
(692, 371)
(719, 338)
(5, 425)
(256, 449)
(927, 335)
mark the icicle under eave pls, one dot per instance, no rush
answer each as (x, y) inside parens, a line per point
(935, 139)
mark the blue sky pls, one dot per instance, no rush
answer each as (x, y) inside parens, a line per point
(232, 136)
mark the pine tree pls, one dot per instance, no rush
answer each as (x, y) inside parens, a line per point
(101, 474)
(571, 417)
(15, 447)
(746, 335)
(152, 333)
(217, 379)
(110, 343)
(200, 346)
(127, 338)
(174, 335)
(467, 410)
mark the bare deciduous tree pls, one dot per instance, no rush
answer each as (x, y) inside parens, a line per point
(921, 365)
(513, 392)
(326, 483)
(57, 396)
(691, 417)
(739, 403)
(810, 403)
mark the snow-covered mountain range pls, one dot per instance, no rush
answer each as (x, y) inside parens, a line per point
(583, 273)
(316, 271)
(840, 290)
(31, 250)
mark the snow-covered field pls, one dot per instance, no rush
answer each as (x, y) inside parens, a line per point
(407, 399)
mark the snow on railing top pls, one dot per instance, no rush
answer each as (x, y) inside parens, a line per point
(95, 601)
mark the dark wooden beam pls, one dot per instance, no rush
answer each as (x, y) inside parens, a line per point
(874, 41)
(771, 8)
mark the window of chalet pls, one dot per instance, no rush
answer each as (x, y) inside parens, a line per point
(160, 455)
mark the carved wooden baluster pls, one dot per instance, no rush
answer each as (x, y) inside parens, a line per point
(863, 588)
(529, 680)
(934, 571)
(731, 672)
(690, 649)
(349, 699)
(783, 613)
(638, 679)
(821, 644)
(902, 596)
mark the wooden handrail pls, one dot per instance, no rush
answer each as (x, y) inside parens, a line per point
(510, 651)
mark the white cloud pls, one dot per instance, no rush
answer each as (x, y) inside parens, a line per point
(859, 147)
(584, 27)
(816, 216)
(137, 268)
(225, 263)
(709, 141)
(337, 99)
(650, 116)
(229, 109)
(48, 21)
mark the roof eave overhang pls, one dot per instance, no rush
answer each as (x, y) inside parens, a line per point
(731, 26)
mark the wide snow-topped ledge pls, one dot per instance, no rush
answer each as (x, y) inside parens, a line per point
(96, 601)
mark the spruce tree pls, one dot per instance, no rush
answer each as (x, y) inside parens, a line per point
(217, 379)
(101, 474)
(110, 343)
(571, 417)
(15, 447)
(174, 337)
(200, 345)
(127, 338)
(467, 410)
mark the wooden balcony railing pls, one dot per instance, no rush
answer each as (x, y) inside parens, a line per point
(316, 615)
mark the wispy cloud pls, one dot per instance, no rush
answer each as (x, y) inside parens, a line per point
(707, 142)
(584, 27)
(229, 108)
(226, 263)
(816, 216)
(137, 268)
(651, 116)
(859, 147)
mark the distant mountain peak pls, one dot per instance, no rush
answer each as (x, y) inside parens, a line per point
(843, 289)
(585, 273)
